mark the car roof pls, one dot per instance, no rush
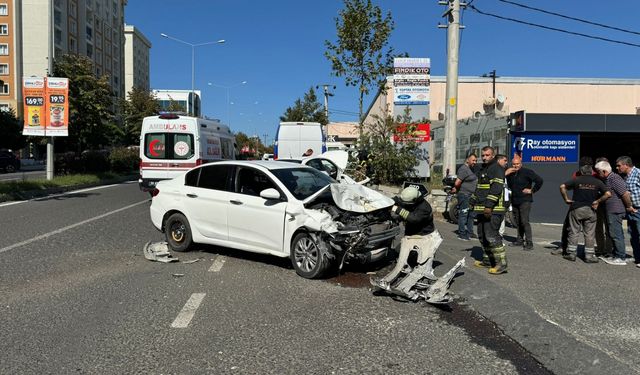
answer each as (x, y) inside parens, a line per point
(268, 164)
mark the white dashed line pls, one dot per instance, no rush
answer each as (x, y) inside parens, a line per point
(64, 229)
(217, 263)
(188, 311)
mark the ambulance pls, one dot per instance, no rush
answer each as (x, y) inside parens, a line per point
(171, 144)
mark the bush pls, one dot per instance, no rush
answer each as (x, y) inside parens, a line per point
(95, 161)
(124, 159)
(67, 163)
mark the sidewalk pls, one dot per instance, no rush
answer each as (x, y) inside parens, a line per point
(573, 317)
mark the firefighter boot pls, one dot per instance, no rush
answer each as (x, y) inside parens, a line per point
(486, 259)
(571, 253)
(501, 261)
(589, 256)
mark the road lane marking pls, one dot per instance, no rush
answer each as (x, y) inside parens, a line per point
(217, 263)
(188, 311)
(66, 193)
(64, 229)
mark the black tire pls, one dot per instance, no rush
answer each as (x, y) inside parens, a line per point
(177, 232)
(307, 259)
(454, 210)
(9, 168)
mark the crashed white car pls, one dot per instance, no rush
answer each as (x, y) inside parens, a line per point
(283, 209)
(334, 163)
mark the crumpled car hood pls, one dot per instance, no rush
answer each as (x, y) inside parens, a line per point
(354, 198)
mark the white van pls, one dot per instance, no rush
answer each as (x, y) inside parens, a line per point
(293, 139)
(171, 144)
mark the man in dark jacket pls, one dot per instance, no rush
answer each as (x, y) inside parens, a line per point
(523, 183)
(488, 203)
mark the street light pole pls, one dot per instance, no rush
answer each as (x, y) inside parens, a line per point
(228, 88)
(193, 65)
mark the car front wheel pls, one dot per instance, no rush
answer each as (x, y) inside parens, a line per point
(307, 258)
(10, 168)
(177, 232)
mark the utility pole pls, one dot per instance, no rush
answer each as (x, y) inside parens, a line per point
(451, 112)
(493, 76)
(327, 94)
(265, 139)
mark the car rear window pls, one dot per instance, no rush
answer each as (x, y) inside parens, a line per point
(168, 146)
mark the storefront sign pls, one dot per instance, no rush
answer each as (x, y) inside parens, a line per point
(46, 106)
(547, 148)
(411, 81)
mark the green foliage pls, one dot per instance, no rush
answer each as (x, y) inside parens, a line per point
(175, 106)
(124, 159)
(38, 187)
(254, 143)
(91, 121)
(140, 103)
(359, 54)
(89, 161)
(307, 110)
(389, 162)
(11, 131)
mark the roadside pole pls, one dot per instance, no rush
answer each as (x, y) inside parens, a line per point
(451, 112)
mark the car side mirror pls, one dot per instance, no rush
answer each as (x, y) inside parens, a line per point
(270, 194)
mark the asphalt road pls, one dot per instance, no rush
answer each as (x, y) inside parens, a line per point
(77, 296)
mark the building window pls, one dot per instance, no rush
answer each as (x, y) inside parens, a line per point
(58, 3)
(4, 69)
(89, 50)
(4, 49)
(73, 8)
(57, 17)
(4, 29)
(73, 27)
(4, 89)
(73, 47)
(57, 36)
(89, 33)
(4, 10)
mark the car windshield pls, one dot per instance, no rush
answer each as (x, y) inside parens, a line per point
(302, 182)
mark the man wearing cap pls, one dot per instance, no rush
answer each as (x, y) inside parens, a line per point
(488, 202)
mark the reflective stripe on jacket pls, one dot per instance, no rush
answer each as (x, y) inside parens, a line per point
(490, 189)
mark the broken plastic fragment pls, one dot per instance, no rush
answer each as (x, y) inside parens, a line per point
(158, 252)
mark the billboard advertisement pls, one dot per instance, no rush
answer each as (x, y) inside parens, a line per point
(57, 107)
(547, 148)
(33, 92)
(411, 80)
(46, 106)
(422, 133)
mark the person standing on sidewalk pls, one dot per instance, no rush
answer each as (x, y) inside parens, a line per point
(624, 164)
(488, 204)
(588, 193)
(604, 245)
(523, 183)
(616, 208)
(465, 185)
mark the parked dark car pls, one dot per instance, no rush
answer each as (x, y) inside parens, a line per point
(9, 162)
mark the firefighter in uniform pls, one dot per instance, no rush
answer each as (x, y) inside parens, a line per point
(488, 204)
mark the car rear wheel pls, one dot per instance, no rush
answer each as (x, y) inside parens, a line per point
(307, 258)
(177, 232)
(10, 168)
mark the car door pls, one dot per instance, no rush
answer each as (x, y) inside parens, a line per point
(253, 221)
(207, 199)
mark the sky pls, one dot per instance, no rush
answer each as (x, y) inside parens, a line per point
(278, 47)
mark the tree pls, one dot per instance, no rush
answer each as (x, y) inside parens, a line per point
(307, 110)
(11, 131)
(91, 121)
(359, 53)
(391, 162)
(140, 103)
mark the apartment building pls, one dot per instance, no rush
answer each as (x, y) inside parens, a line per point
(10, 67)
(136, 59)
(93, 28)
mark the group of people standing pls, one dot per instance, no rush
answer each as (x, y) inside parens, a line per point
(592, 186)
(600, 199)
(484, 195)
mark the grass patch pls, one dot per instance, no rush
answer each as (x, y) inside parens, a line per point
(20, 189)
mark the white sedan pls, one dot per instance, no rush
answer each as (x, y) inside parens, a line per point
(282, 209)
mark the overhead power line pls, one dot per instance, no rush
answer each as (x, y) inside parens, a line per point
(570, 18)
(552, 28)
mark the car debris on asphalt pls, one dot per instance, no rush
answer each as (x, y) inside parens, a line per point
(158, 252)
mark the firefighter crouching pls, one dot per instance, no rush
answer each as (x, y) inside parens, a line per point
(488, 205)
